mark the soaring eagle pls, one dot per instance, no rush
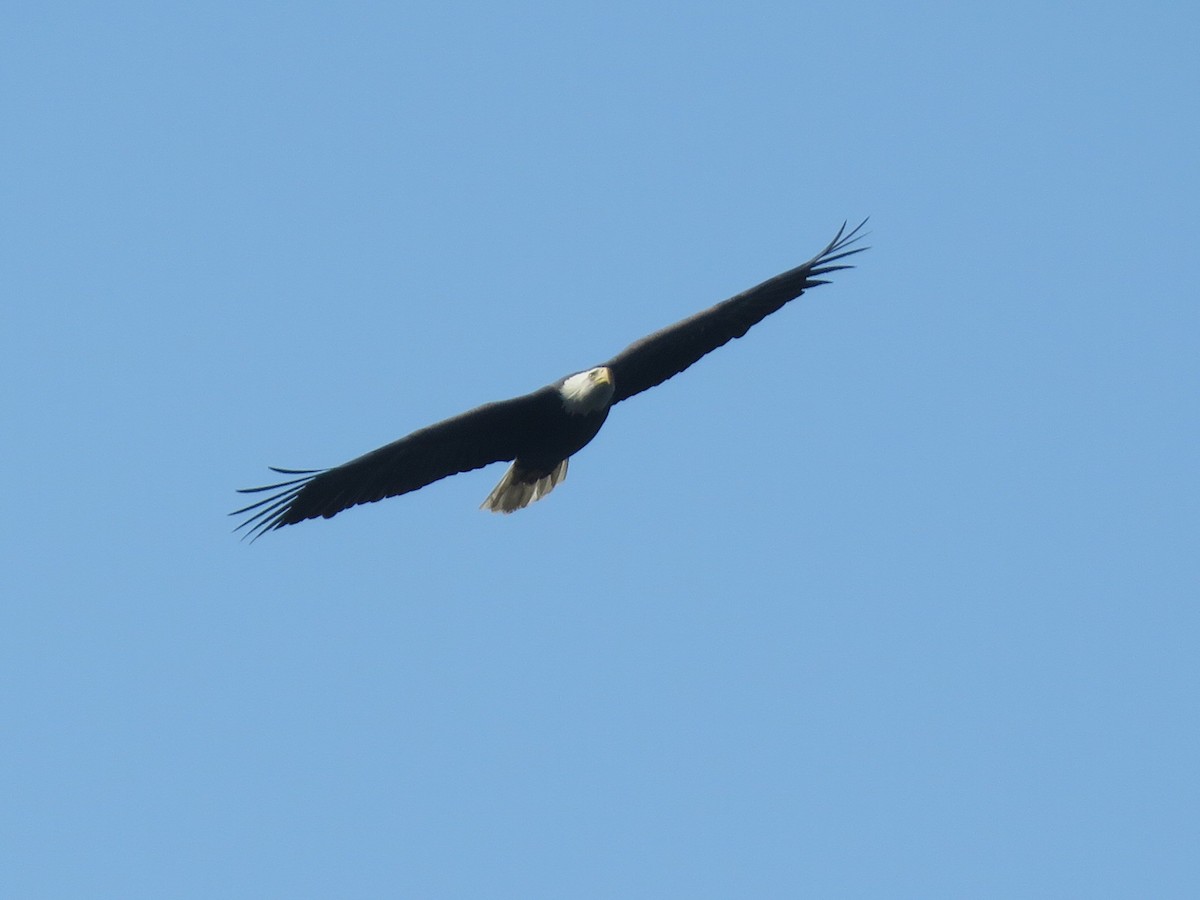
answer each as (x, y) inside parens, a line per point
(538, 432)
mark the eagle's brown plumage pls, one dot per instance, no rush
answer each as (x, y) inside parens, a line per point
(540, 431)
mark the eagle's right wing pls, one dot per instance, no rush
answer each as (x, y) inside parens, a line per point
(486, 434)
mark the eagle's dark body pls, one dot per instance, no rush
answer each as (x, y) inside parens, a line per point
(540, 431)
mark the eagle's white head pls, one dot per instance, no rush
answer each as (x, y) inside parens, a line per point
(587, 392)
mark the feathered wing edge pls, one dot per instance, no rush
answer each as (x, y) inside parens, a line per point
(272, 509)
(820, 264)
(835, 251)
(664, 354)
(471, 440)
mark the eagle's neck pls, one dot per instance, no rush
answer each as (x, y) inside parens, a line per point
(587, 392)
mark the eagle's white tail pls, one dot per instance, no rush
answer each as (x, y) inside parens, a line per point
(515, 492)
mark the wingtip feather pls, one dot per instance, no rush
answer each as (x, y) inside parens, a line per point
(275, 507)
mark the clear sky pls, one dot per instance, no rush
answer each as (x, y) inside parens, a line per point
(897, 596)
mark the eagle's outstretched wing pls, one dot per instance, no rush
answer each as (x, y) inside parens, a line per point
(487, 434)
(531, 423)
(659, 356)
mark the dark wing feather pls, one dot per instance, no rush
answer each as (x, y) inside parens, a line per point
(655, 358)
(490, 433)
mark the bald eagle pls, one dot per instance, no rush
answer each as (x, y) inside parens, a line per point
(539, 432)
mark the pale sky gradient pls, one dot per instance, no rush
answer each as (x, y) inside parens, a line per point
(895, 597)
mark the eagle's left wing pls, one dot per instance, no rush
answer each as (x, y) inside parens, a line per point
(655, 358)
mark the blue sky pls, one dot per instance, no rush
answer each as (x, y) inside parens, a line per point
(897, 596)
